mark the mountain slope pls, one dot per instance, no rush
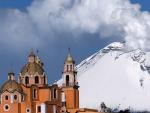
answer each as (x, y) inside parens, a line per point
(117, 76)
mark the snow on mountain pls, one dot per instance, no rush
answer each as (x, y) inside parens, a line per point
(117, 76)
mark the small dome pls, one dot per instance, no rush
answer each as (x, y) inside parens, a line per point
(32, 68)
(11, 86)
(69, 59)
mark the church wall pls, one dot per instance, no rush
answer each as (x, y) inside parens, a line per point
(44, 94)
(32, 79)
(3, 96)
(57, 90)
(52, 108)
(49, 109)
(77, 98)
(24, 106)
(18, 99)
(70, 98)
(28, 95)
(14, 97)
(12, 108)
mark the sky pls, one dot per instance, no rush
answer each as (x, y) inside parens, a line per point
(53, 26)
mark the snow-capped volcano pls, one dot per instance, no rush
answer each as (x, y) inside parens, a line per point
(117, 76)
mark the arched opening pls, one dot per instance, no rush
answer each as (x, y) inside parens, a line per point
(36, 79)
(15, 97)
(44, 80)
(74, 78)
(67, 80)
(6, 97)
(26, 80)
(55, 93)
(34, 93)
(67, 67)
(70, 67)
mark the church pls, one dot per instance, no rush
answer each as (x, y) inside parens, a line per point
(31, 93)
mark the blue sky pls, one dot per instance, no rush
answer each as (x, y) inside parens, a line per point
(144, 4)
(14, 51)
(22, 4)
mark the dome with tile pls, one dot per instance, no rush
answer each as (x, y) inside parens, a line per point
(11, 86)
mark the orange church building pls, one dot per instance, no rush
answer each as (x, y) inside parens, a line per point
(32, 94)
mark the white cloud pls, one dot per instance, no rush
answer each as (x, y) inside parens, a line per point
(16, 29)
(47, 18)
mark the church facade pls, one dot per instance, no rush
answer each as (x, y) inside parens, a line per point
(32, 94)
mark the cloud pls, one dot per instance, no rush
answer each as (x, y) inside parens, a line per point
(49, 19)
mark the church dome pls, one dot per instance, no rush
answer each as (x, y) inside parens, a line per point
(32, 68)
(69, 58)
(11, 86)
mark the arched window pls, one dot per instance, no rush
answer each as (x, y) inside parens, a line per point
(6, 97)
(67, 80)
(70, 67)
(44, 80)
(55, 93)
(36, 79)
(15, 97)
(34, 93)
(26, 80)
(74, 78)
(67, 68)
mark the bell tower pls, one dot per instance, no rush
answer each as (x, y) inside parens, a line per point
(69, 73)
(70, 86)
